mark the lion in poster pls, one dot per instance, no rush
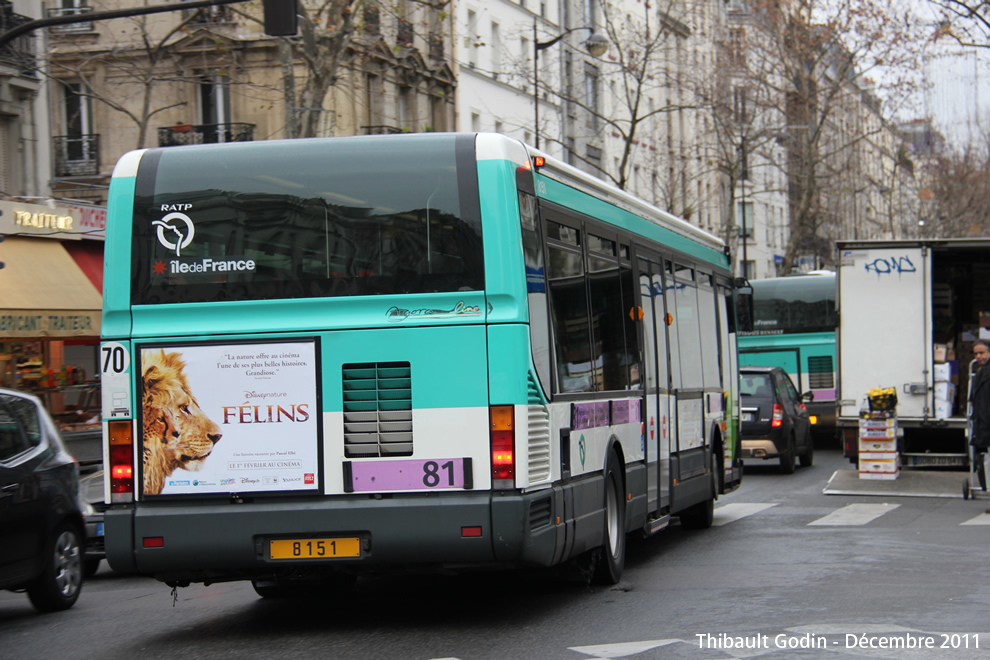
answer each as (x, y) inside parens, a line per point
(177, 433)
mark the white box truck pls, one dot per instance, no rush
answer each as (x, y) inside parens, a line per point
(909, 311)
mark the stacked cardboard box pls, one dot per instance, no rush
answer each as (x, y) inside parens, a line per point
(945, 391)
(878, 457)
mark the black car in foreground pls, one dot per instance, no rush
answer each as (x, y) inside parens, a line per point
(42, 532)
(774, 422)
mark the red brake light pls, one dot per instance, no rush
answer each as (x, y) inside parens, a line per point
(778, 415)
(503, 439)
(121, 457)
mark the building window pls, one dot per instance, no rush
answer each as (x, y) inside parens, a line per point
(78, 119)
(740, 105)
(496, 50)
(471, 40)
(589, 13)
(744, 213)
(737, 39)
(591, 96)
(214, 107)
(372, 20)
(404, 101)
(404, 36)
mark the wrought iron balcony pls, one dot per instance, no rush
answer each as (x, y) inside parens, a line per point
(77, 155)
(18, 53)
(182, 134)
(70, 28)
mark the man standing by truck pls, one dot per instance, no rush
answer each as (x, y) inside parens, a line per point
(979, 397)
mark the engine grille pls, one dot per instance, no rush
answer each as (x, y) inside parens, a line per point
(821, 373)
(377, 409)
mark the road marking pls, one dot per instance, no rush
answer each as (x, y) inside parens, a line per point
(982, 519)
(623, 649)
(733, 512)
(854, 515)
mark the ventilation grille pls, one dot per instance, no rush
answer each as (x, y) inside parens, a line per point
(539, 513)
(821, 373)
(539, 436)
(377, 409)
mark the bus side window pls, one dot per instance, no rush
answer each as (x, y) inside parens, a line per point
(569, 301)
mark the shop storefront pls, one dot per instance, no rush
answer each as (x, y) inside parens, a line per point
(50, 305)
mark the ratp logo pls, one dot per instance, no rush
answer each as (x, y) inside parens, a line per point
(175, 231)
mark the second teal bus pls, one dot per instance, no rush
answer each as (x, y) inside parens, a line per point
(790, 322)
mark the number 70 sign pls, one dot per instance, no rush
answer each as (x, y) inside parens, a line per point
(115, 379)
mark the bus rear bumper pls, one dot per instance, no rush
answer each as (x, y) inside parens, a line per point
(182, 542)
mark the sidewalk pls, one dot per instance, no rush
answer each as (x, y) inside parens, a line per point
(909, 483)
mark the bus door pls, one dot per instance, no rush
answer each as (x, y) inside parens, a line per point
(657, 419)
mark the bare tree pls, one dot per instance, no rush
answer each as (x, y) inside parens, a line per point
(810, 63)
(960, 194)
(965, 21)
(637, 76)
(129, 71)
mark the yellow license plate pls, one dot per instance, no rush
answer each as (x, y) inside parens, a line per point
(315, 548)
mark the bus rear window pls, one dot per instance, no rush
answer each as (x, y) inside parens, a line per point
(307, 218)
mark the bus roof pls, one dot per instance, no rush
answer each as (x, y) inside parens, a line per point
(819, 285)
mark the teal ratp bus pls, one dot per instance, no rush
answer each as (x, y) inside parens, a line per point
(327, 356)
(790, 322)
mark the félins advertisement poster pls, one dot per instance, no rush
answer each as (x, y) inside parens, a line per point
(230, 418)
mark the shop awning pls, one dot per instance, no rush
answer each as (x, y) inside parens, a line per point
(44, 293)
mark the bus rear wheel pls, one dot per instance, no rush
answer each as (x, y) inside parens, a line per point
(702, 514)
(613, 550)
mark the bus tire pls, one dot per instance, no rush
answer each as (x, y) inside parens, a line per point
(718, 468)
(702, 514)
(613, 550)
(787, 458)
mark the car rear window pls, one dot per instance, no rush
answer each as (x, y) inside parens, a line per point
(755, 385)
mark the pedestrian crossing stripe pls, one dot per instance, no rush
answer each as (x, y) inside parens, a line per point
(982, 519)
(733, 512)
(623, 649)
(855, 515)
(852, 515)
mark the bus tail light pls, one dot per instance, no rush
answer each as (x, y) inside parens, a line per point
(121, 457)
(778, 416)
(503, 439)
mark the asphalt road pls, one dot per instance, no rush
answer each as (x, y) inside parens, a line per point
(786, 571)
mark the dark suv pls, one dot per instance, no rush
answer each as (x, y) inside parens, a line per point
(41, 519)
(774, 422)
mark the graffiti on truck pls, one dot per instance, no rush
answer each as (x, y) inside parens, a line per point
(888, 265)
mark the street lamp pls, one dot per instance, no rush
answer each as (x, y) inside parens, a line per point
(596, 45)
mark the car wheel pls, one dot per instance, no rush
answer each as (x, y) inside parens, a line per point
(58, 587)
(613, 560)
(787, 458)
(808, 457)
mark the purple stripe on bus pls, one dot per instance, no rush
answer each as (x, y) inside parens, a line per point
(417, 474)
(620, 412)
(635, 410)
(590, 415)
